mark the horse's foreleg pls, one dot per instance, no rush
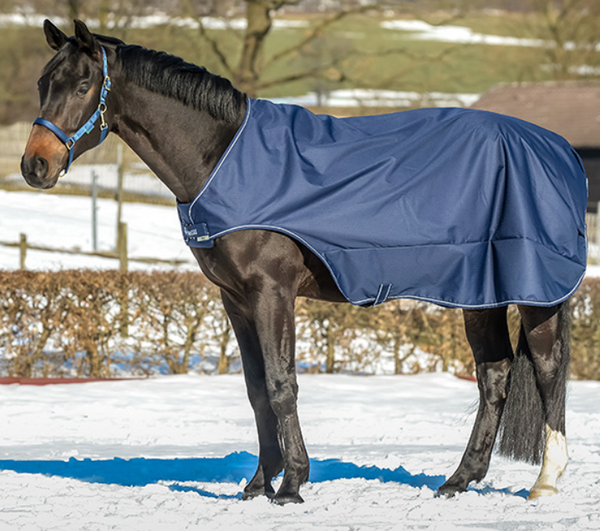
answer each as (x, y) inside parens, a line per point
(270, 458)
(547, 334)
(265, 328)
(487, 333)
(274, 318)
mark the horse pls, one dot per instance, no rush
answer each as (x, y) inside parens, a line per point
(183, 122)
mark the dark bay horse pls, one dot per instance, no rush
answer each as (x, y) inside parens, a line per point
(180, 120)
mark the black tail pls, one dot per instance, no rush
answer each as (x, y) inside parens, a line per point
(521, 434)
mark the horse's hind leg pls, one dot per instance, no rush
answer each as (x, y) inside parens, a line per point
(487, 333)
(270, 459)
(547, 333)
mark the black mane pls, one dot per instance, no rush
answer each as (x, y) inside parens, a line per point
(190, 84)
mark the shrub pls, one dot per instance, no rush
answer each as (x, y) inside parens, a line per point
(105, 323)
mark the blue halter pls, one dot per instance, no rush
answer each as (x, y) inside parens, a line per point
(88, 126)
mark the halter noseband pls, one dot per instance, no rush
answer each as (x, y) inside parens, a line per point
(87, 127)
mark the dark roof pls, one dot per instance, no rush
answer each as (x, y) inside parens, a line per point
(569, 108)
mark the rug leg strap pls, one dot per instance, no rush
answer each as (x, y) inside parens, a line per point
(382, 294)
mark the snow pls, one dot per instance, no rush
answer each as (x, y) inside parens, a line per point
(24, 18)
(381, 98)
(421, 30)
(456, 34)
(175, 453)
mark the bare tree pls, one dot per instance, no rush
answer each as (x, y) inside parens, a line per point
(571, 29)
(247, 72)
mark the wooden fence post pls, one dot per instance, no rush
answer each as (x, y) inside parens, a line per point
(123, 266)
(122, 250)
(119, 193)
(94, 210)
(22, 250)
(597, 235)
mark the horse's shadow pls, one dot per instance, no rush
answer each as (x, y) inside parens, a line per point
(234, 468)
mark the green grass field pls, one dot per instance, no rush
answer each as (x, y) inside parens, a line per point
(373, 57)
(368, 56)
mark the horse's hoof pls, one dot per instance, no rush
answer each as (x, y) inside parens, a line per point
(250, 494)
(449, 491)
(287, 498)
(542, 491)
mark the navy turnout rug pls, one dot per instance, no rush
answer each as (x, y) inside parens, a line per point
(458, 207)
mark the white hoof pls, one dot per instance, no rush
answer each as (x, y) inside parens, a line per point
(542, 491)
(553, 465)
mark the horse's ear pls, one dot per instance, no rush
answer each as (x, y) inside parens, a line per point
(54, 36)
(85, 38)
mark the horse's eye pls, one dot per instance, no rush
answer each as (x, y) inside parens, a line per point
(83, 90)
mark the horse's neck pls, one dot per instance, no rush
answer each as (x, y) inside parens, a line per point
(179, 144)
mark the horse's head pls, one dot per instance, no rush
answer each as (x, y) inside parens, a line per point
(73, 90)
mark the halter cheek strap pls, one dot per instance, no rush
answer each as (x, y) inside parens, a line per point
(89, 126)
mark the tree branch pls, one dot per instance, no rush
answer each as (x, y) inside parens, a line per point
(317, 32)
(213, 43)
(312, 72)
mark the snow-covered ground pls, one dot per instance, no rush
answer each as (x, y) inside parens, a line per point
(381, 98)
(421, 30)
(66, 222)
(174, 453)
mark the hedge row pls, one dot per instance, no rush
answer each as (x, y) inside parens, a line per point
(107, 323)
(92, 323)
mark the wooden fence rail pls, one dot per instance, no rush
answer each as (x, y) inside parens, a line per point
(120, 254)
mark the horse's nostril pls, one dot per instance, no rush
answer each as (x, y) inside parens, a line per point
(41, 167)
(34, 169)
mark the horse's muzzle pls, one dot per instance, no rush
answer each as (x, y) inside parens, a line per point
(35, 172)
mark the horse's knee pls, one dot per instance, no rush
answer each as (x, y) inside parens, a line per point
(492, 379)
(283, 395)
